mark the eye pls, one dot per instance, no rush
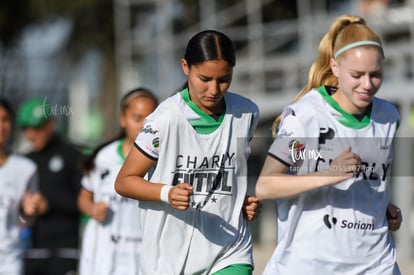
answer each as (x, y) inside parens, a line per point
(224, 80)
(204, 79)
(376, 75)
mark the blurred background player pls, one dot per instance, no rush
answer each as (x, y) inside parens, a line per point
(20, 201)
(55, 235)
(112, 236)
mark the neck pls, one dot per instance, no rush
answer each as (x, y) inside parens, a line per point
(347, 105)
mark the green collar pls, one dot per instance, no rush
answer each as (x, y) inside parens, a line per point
(206, 117)
(346, 119)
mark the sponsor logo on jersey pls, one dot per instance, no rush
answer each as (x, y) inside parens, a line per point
(148, 130)
(371, 172)
(284, 133)
(385, 147)
(331, 221)
(326, 134)
(104, 173)
(115, 198)
(328, 221)
(209, 177)
(156, 142)
(116, 238)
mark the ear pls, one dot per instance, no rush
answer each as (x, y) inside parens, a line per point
(122, 121)
(334, 66)
(185, 67)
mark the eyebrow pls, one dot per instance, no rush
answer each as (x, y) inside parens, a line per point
(209, 77)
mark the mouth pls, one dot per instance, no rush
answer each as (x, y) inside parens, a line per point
(364, 95)
(212, 99)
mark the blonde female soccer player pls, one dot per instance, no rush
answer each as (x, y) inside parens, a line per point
(329, 166)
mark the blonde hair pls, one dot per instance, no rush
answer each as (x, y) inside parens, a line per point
(345, 30)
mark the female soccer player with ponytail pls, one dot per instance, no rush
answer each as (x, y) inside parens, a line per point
(329, 166)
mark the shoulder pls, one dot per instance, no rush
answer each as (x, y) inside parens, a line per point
(311, 99)
(303, 117)
(167, 109)
(23, 163)
(167, 105)
(108, 151)
(240, 103)
(307, 109)
(384, 110)
(22, 160)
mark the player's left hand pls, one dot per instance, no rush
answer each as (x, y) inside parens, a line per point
(394, 217)
(251, 208)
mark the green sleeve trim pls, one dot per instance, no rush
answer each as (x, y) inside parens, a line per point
(346, 119)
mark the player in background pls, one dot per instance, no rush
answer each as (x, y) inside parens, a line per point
(55, 234)
(329, 166)
(20, 200)
(191, 208)
(111, 240)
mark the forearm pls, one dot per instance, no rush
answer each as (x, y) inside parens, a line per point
(135, 187)
(285, 186)
(85, 202)
(275, 183)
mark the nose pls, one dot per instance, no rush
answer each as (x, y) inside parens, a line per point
(215, 87)
(367, 82)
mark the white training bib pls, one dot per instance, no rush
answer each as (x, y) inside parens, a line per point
(17, 174)
(212, 233)
(342, 228)
(112, 247)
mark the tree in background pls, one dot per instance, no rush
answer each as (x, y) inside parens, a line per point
(91, 28)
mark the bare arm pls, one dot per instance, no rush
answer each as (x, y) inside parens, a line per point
(130, 182)
(97, 211)
(274, 183)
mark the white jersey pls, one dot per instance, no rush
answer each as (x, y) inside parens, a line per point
(339, 229)
(112, 247)
(212, 233)
(17, 175)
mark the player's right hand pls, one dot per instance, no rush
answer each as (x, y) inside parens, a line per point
(345, 165)
(100, 211)
(179, 196)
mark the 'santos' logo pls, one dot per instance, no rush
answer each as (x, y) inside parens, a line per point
(345, 224)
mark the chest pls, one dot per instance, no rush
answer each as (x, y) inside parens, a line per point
(12, 186)
(373, 144)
